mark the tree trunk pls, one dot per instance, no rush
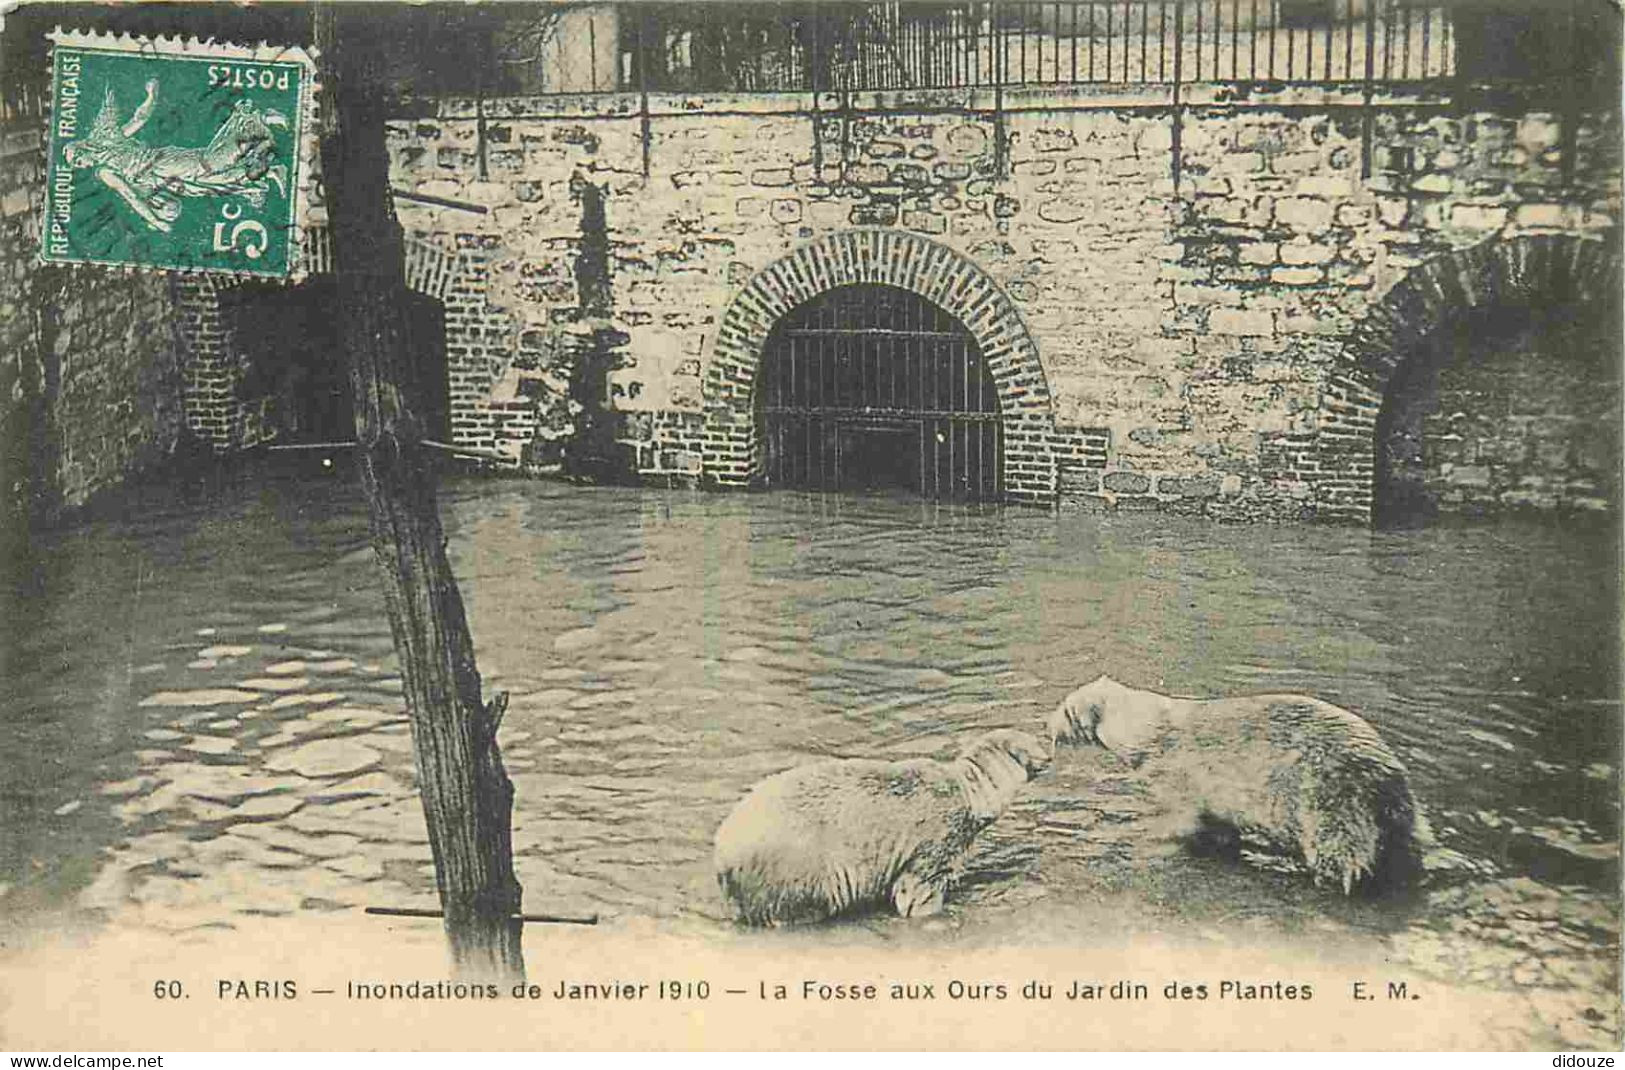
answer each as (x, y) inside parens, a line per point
(467, 796)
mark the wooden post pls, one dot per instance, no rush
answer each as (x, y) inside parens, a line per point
(467, 797)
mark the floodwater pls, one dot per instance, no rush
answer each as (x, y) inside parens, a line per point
(203, 722)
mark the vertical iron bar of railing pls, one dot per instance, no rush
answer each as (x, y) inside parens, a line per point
(1174, 115)
(1128, 37)
(1001, 64)
(815, 29)
(1270, 74)
(480, 143)
(1330, 23)
(1162, 39)
(1405, 54)
(1021, 27)
(1073, 8)
(1235, 40)
(973, 48)
(1570, 130)
(1370, 70)
(1109, 32)
(1427, 42)
(1091, 42)
(1196, 75)
(1252, 45)
(1145, 37)
(1347, 23)
(811, 20)
(1218, 31)
(592, 48)
(1388, 46)
(643, 86)
(1291, 49)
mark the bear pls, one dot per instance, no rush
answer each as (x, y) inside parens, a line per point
(846, 835)
(1310, 778)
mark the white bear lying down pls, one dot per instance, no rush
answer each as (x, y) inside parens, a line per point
(1310, 777)
(839, 836)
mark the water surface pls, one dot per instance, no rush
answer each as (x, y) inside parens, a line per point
(203, 720)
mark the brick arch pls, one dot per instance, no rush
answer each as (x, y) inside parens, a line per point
(1434, 297)
(953, 282)
(214, 413)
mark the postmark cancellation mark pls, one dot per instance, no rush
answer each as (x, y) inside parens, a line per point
(178, 155)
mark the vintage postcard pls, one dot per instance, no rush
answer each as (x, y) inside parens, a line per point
(952, 526)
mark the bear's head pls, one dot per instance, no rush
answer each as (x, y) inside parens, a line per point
(995, 766)
(1105, 713)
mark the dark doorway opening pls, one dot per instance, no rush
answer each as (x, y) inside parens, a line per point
(873, 387)
(288, 340)
(1512, 410)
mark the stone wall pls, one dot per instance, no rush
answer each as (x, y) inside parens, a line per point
(90, 377)
(1514, 411)
(1196, 347)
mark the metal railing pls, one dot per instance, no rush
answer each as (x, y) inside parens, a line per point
(1013, 43)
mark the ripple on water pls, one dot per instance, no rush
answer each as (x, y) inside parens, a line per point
(324, 758)
(203, 697)
(674, 651)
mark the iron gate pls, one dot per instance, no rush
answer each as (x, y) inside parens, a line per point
(873, 386)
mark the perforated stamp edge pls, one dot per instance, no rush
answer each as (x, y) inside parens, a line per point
(306, 140)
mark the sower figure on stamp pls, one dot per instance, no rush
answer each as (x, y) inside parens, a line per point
(152, 178)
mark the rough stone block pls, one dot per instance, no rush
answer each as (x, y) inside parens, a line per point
(1063, 210)
(1537, 133)
(1189, 486)
(874, 215)
(770, 176)
(1329, 186)
(1033, 167)
(1264, 252)
(1126, 483)
(926, 222)
(785, 210)
(1540, 215)
(1434, 183)
(1241, 322)
(1478, 216)
(1306, 253)
(1307, 215)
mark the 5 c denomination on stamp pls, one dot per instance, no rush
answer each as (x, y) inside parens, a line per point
(178, 155)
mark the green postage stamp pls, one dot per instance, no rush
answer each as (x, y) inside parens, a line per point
(178, 155)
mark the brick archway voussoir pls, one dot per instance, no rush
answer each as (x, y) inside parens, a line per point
(1522, 271)
(904, 260)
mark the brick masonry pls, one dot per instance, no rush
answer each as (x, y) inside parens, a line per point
(1209, 348)
(1219, 347)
